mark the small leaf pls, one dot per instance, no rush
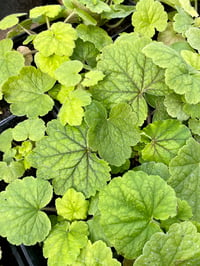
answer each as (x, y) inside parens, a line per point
(65, 156)
(95, 253)
(94, 34)
(186, 5)
(20, 207)
(180, 245)
(67, 73)
(49, 64)
(194, 125)
(64, 243)
(10, 21)
(191, 58)
(6, 140)
(72, 206)
(128, 207)
(149, 15)
(112, 137)
(164, 139)
(59, 40)
(10, 172)
(96, 6)
(50, 11)
(72, 111)
(193, 37)
(92, 78)
(31, 128)
(184, 170)
(182, 21)
(26, 92)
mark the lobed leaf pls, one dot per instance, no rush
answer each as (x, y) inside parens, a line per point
(128, 207)
(20, 207)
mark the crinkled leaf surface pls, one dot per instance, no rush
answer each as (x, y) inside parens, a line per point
(59, 40)
(10, 20)
(72, 206)
(128, 76)
(149, 15)
(49, 64)
(128, 206)
(20, 207)
(11, 62)
(92, 78)
(180, 77)
(96, 254)
(67, 73)
(64, 243)
(31, 128)
(50, 11)
(65, 156)
(26, 92)
(94, 34)
(179, 246)
(184, 170)
(174, 105)
(10, 172)
(164, 139)
(192, 110)
(112, 137)
(72, 110)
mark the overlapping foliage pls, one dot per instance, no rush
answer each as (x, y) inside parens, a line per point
(119, 164)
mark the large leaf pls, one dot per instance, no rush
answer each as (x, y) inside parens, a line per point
(72, 206)
(112, 137)
(184, 170)
(65, 156)
(180, 246)
(11, 62)
(149, 15)
(128, 207)
(21, 219)
(26, 92)
(59, 40)
(128, 76)
(96, 254)
(64, 243)
(163, 140)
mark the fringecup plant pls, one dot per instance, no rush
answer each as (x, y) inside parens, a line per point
(113, 178)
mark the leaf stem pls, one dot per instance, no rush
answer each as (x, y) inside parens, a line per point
(47, 22)
(196, 5)
(70, 16)
(116, 24)
(25, 30)
(49, 209)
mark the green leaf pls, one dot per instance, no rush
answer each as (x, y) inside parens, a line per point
(182, 21)
(26, 92)
(112, 137)
(194, 125)
(63, 245)
(192, 110)
(163, 140)
(186, 5)
(128, 82)
(96, 254)
(67, 73)
(97, 6)
(118, 11)
(149, 15)
(10, 21)
(169, 36)
(32, 129)
(85, 16)
(92, 78)
(6, 140)
(72, 111)
(85, 52)
(179, 76)
(10, 172)
(153, 168)
(11, 62)
(50, 11)
(174, 105)
(193, 37)
(128, 207)
(184, 170)
(59, 40)
(49, 64)
(94, 34)
(72, 206)
(191, 58)
(65, 156)
(179, 246)
(20, 207)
